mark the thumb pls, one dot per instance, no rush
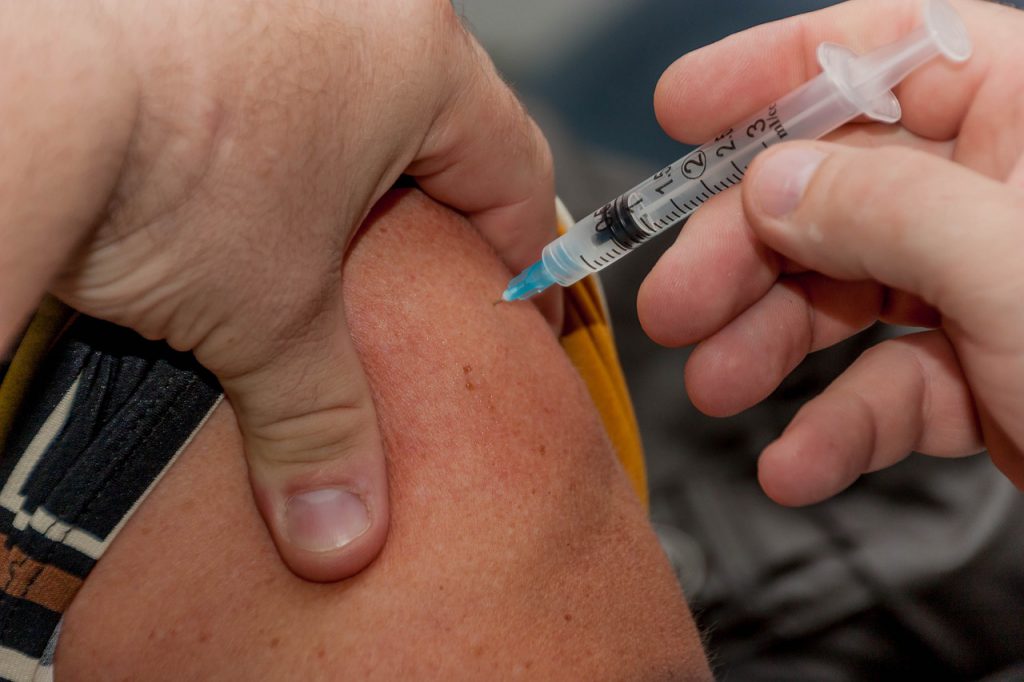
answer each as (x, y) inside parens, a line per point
(315, 456)
(909, 220)
(920, 224)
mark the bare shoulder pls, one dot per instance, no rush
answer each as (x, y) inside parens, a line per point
(516, 546)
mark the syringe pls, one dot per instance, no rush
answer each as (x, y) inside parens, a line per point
(849, 86)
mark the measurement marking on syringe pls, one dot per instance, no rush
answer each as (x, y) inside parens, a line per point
(820, 105)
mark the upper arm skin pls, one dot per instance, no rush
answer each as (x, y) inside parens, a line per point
(516, 545)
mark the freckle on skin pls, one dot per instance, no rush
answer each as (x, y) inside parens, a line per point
(274, 642)
(568, 617)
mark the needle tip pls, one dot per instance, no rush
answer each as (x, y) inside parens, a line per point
(528, 283)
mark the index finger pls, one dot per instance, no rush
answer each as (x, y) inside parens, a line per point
(486, 157)
(710, 88)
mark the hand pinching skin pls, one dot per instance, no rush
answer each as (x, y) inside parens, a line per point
(196, 171)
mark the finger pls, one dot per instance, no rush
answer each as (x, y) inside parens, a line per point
(316, 461)
(744, 362)
(715, 270)
(873, 135)
(485, 157)
(717, 267)
(902, 395)
(710, 88)
(917, 223)
(902, 218)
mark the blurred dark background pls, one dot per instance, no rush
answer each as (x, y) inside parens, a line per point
(914, 571)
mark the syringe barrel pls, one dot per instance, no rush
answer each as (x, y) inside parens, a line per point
(814, 109)
(847, 87)
(672, 194)
(576, 254)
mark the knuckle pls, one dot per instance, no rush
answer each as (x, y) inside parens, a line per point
(320, 435)
(856, 187)
(446, 12)
(441, 22)
(538, 150)
(545, 159)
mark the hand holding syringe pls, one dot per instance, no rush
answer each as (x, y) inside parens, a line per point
(849, 86)
(919, 225)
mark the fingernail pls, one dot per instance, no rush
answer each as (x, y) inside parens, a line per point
(325, 519)
(783, 178)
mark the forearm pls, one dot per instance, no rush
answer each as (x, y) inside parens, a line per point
(68, 104)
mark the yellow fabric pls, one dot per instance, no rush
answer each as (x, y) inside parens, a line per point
(44, 328)
(587, 339)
